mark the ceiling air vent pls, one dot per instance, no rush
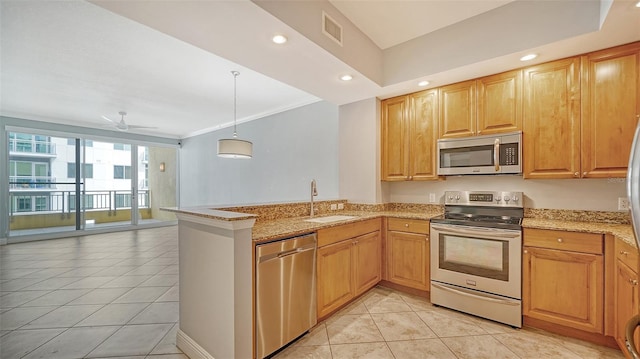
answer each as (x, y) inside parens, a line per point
(331, 28)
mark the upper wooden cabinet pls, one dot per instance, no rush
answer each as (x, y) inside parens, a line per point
(580, 114)
(409, 136)
(488, 105)
(610, 106)
(499, 103)
(551, 124)
(458, 110)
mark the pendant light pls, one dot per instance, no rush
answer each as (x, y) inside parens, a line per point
(234, 147)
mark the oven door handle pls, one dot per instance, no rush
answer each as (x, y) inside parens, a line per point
(475, 294)
(500, 233)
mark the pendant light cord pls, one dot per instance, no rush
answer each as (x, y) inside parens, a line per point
(235, 76)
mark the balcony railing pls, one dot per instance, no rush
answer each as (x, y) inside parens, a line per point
(65, 201)
(32, 146)
(31, 182)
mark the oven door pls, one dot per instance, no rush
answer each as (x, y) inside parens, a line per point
(485, 259)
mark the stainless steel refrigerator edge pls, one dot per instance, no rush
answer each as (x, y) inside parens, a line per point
(633, 192)
(285, 292)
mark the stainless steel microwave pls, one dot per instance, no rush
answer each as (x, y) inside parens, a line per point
(489, 154)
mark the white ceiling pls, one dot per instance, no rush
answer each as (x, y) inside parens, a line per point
(168, 63)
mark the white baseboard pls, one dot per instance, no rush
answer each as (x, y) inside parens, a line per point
(192, 349)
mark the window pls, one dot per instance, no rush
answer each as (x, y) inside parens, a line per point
(122, 172)
(23, 204)
(72, 142)
(42, 203)
(88, 202)
(122, 146)
(123, 200)
(88, 170)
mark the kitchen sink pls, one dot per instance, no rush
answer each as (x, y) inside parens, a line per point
(329, 219)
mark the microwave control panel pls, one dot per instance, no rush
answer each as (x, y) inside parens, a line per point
(509, 154)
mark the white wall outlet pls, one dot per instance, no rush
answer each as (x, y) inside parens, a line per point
(334, 206)
(432, 197)
(623, 204)
(340, 205)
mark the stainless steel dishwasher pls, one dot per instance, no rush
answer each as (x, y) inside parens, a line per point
(285, 292)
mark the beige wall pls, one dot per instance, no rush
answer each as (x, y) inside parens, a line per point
(162, 185)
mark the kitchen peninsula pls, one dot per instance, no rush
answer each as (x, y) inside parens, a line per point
(217, 261)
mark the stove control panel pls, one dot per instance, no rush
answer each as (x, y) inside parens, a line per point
(484, 198)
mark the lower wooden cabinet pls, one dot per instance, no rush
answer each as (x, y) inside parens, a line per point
(563, 280)
(408, 253)
(626, 297)
(348, 267)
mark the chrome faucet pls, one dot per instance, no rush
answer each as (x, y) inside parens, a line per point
(314, 192)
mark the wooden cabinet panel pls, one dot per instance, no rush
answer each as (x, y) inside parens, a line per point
(334, 276)
(367, 257)
(347, 231)
(408, 225)
(457, 110)
(395, 146)
(564, 288)
(610, 106)
(551, 120)
(500, 103)
(563, 240)
(408, 259)
(626, 301)
(423, 135)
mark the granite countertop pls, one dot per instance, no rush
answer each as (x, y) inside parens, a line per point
(211, 213)
(264, 231)
(622, 231)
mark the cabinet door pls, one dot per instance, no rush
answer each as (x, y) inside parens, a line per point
(457, 110)
(335, 276)
(610, 104)
(408, 259)
(564, 287)
(500, 103)
(394, 139)
(551, 120)
(626, 300)
(367, 260)
(423, 117)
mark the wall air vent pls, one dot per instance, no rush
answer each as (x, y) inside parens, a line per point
(331, 28)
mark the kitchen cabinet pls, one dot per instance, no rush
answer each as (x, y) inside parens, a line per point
(626, 297)
(563, 278)
(348, 263)
(488, 105)
(551, 120)
(610, 106)
(580, 114)
(407, 252)
(457, 110)
(409, 137)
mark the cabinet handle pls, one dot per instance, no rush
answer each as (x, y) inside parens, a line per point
(406, 225)
(576, 174)
(633, 281)
(559, 240)
(584, 174)
(526, 251)
(624, 253)
(410, 178)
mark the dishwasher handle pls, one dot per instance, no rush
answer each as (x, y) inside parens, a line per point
(283, 254)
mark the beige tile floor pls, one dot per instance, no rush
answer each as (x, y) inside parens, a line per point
(116, 296)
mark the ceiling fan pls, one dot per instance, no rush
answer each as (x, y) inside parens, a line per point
(121, 125)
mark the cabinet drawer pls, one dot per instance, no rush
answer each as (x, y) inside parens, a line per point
(339, 233)
(627, 254)
(408, 225)
(563, 240)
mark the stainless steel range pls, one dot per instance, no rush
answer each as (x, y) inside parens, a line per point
(476, 255)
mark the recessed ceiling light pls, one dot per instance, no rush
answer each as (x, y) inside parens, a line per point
(423, 83)
(279, 39)
(638, 4)
(346, 77)
(528, 57)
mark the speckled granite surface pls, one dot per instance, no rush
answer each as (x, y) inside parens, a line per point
(275, 221)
